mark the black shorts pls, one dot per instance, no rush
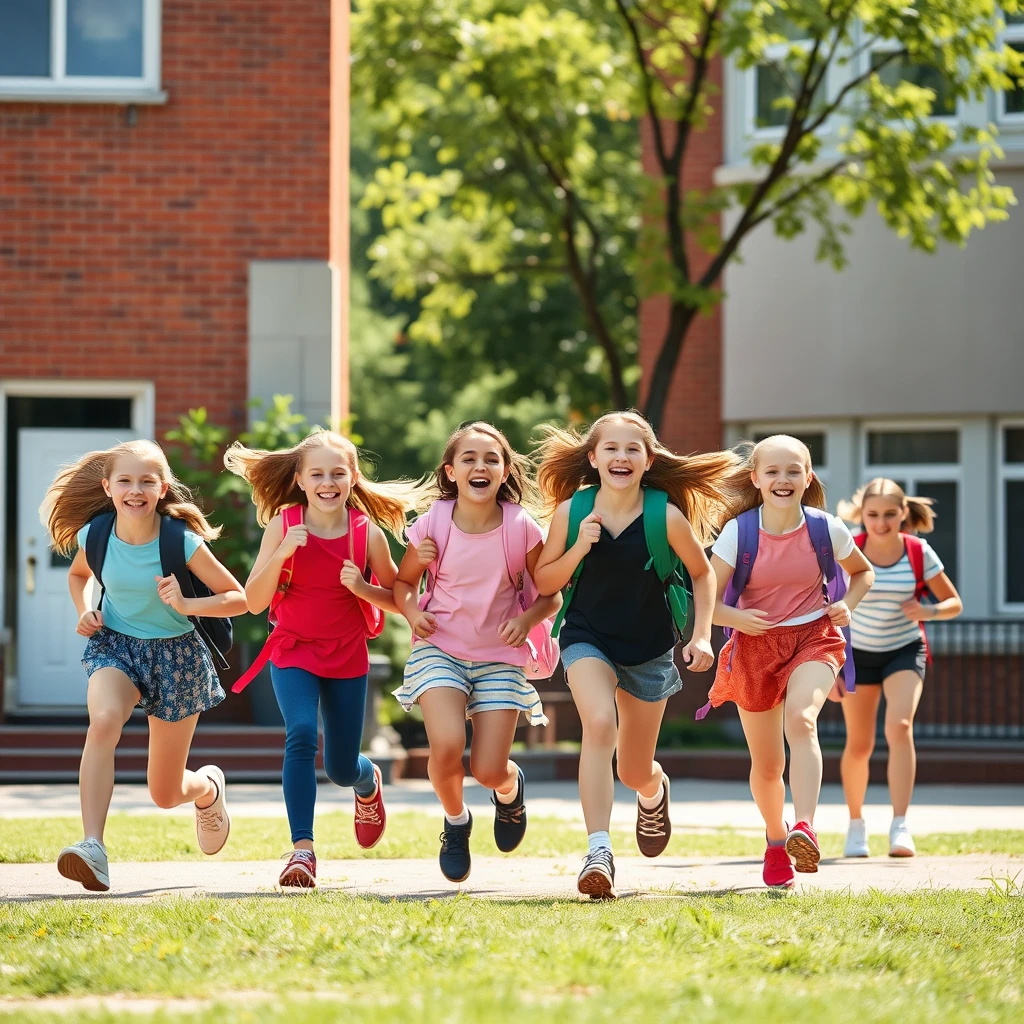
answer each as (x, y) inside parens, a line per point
(873, 667)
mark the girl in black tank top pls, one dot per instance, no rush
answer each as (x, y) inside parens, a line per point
(618, 638)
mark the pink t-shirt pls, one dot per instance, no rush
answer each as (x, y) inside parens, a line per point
(473, 594)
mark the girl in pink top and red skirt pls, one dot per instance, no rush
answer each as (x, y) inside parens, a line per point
(787, 649)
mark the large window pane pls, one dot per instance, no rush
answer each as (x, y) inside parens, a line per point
(1015, 97)
(1014, 519)
(1013, 445)
(815, 441)
(944, 537)
(105, 38)
(925, 76)
(25, 38)
(771, 86)
(910, 447)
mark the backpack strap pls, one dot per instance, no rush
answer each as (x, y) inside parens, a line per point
(439, 528)
(915, 555)
(663, 558)
(359, 538)
(833, 581)
(514, 541)
(290, 516)
(861, 540)
(748, 532)
(97, 540)
(580, 507)
(172, 553)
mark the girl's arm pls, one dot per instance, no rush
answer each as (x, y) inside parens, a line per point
(949, 605)
(79, 575)
(275, 550)
(858, 568)
(378, 557)
(515, 631)
(555, 565)
(697, 654)
(751, 621)
(406, 591)
(227, 599)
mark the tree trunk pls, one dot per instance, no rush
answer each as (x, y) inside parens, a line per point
(680, 319)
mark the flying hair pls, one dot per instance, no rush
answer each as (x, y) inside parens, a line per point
(920, 516)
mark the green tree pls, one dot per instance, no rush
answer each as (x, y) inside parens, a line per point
(527, 105)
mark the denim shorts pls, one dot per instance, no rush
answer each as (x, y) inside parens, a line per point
(175, 676)
(650, 681)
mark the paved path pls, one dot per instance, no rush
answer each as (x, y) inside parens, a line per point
(506, 878)
(696, 804)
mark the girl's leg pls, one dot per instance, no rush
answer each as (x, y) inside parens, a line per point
(298, 697)
(444, 715)
(111, 697)
(902, 695)
(493, 733)
(860, 709)
(639, 726)
(806, 692)
(170, 783)
(344, 709)
(593, 684)
(763, 731)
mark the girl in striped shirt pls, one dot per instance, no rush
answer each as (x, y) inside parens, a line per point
(890, 649)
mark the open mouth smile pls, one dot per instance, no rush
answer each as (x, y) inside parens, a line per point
(480, 485)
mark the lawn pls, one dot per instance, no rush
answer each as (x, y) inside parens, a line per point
(924, 957)
(412, 834)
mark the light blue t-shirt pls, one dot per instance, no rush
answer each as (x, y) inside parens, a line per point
(131, 604)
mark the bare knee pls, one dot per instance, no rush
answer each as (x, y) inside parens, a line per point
(801, 726)
(899, 732)
(105, 727)
(601, 729)
(446, 758)
(164, 795)
(859, 748)
(490, 773)
(633, 776)
(768, 770)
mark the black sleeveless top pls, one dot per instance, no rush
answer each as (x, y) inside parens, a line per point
(619, 606)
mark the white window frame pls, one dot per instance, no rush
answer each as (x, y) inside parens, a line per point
(795, 429)
(63, 88)
(777, 52)
(1004, 472)
(1011, 34)
(891, 46)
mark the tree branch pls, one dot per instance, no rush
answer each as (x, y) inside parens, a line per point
(848, 88)
(807, 185)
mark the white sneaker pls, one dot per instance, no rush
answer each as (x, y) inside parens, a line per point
(901, 842)
(213, 823)
(86, 862)
(857, 839)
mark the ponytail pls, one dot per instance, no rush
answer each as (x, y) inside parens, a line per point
(919, 516)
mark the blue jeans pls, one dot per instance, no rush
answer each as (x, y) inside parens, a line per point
(299, 695)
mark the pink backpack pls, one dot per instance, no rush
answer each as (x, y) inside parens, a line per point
(542, 646)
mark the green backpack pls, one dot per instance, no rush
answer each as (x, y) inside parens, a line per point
(665, 561)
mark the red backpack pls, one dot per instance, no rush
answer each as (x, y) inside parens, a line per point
(915, 555)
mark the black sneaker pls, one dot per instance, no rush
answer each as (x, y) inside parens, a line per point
(597, 879)
(454, 858)
(510, 819)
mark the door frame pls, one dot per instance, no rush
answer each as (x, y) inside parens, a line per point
(143, 396)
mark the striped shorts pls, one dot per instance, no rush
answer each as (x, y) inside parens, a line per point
(488, 685)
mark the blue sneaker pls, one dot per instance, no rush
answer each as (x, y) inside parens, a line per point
(510, 819)
(454, 857)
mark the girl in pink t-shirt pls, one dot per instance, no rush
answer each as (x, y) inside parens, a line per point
(786, 650)
(469, 635)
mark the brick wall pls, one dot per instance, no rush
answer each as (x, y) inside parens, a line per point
(124, 248)
(693, 415)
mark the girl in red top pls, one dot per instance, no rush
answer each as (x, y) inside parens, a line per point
(317, 650)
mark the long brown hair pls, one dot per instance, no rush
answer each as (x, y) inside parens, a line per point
(920, 516)
(518, 488)
(748, 495)
(271, 475)
(76, 494)
(696, 484)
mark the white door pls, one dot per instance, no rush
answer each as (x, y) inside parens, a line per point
(49, 650)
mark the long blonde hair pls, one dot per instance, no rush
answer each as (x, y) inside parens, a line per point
(920, 516)
(76, 494)
(696, 484)
(748, 495)
(518, 488)
(271, 475)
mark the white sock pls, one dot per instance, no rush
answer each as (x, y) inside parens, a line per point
(459, 819)
(650, 802)
(898, 819)
(511, 795)
(598, 841)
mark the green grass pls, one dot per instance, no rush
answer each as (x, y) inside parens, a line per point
(923, 957)
(411, 834)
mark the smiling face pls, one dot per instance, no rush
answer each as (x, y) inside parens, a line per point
(883, 515)
(477, 468)
(782, 474)
(326, 476)
(620, 455)
(135, 485)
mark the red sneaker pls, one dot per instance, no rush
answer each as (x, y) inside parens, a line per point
(778, 868)
(370, 818)
(300, 871)
(802, 846)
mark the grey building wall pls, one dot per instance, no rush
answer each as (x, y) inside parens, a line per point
(290, 334)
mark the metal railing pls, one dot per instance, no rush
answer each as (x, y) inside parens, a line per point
(974, 687)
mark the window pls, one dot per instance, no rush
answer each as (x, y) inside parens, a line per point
(79, 48)
(1013, 99)
(815, 440)
(925, 463)
(925, 76)
(775, 79)
(1011, 515)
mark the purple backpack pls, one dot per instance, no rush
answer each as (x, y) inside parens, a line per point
(833, 578)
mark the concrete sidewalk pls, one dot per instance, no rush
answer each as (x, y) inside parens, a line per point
(696, 804)
(505, 878)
